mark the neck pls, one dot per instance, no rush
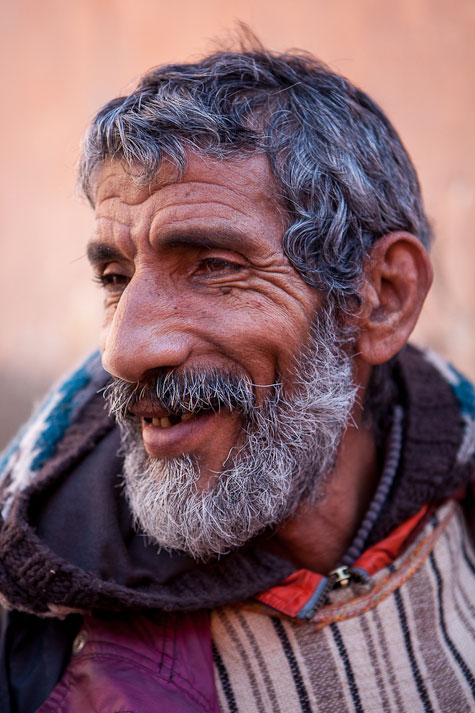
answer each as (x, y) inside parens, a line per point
(318, 536)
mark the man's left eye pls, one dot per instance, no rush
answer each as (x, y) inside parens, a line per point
(216, 264)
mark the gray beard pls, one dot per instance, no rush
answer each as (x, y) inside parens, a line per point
(290, 447)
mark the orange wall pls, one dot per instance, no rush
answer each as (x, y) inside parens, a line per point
(62, 60)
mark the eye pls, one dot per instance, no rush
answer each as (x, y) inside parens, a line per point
(112, 281)
(211, 265)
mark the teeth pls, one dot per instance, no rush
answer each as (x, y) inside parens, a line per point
(166, 423)
(161, 422)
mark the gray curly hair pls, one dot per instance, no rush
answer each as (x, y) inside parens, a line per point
(343, 176)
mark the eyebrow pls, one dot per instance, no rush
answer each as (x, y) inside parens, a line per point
(101, 252)
(204, 238)
(207, 237)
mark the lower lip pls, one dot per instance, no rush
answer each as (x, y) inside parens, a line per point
(184, 437)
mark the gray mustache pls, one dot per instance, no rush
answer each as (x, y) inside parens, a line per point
(178, 392)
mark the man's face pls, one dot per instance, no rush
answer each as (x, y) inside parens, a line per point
(195, 278)
(201, 300)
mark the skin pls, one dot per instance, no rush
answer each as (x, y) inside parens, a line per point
(195, 276)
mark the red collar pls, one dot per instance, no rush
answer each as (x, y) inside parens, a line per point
(300, 593)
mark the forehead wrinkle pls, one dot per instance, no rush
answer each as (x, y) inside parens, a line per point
(108, 219)
(199, 206)
(265, 186)
(261, 193)
(119, 198)
(226, 186)
(188, 195)
(123, 185)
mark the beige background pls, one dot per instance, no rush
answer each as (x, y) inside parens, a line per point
(62, 60)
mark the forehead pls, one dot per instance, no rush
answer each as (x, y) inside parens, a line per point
(250, 175)
(237, 196)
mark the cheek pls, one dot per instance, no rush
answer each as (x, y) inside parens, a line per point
(275, 329)
(264, 342)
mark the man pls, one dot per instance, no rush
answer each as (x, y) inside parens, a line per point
(291, 534)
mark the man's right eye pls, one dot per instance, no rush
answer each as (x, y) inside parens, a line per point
(112, 281)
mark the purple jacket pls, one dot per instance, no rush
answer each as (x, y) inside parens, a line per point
(139, 664)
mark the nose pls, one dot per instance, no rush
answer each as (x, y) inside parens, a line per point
(146, 333)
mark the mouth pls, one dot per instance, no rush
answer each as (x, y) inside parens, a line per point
(169, 420)
(168, 435)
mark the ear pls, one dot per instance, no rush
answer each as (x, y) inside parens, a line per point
(397, 277)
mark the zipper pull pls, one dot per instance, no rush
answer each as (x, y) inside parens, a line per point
(340, 576)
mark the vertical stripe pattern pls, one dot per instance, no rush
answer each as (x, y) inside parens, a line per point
(403, 648)
(421, 689)
(294, 667)
(350, 676)
(454, 649)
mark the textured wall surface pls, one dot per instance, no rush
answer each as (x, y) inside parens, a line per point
(62, 60)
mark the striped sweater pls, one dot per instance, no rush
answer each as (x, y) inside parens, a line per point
(404, 641)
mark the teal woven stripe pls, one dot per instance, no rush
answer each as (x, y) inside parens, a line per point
(464, 391)
(59, 418)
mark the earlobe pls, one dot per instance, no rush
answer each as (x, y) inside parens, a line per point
(397, 277)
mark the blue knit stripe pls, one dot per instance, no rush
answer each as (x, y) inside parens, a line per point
(59, 418)
(16, 442)
(57, 414)
(11, 448)
(464, 392)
